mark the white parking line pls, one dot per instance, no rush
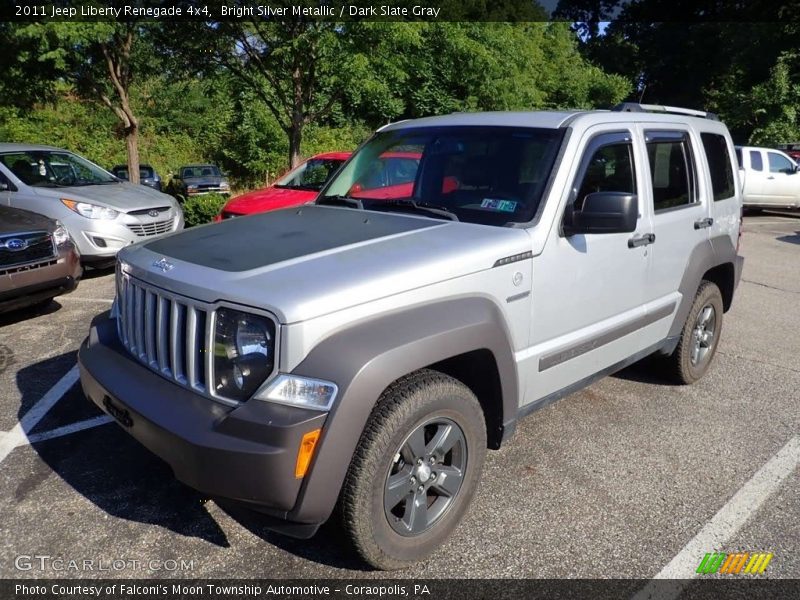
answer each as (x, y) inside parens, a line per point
(80, 299)
(726, 523)
(781, 221)
(67, 429)
(19, 435)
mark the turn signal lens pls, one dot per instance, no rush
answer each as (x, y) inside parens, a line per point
(306, 452)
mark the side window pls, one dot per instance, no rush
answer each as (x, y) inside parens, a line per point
(719, 165)
(609, 169)
(739, 157)
(671, 169)
(755, 161)
(5, 184)
(778, 163)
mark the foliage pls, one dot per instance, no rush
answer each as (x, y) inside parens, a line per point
(228, 92)
(730, 58)
(198, 210)
(422, 69)
(768, 110)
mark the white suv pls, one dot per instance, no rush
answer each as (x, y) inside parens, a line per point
(365, 351)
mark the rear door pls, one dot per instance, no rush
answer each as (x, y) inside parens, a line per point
(680, 201)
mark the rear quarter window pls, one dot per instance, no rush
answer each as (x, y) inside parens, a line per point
(672, 169)
(755, 161)
(719, 165)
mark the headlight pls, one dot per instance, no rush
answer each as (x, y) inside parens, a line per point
(224, 185)
(244, 353)
(300, 391)
(191, 187)
(60, 234)
(90, 211)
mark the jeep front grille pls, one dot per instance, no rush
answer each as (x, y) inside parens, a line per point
(154, 228)
(168, 333)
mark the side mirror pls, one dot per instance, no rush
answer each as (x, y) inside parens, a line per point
(4, 186)
(605, 212)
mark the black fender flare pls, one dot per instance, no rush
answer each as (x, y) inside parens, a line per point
(364, 359)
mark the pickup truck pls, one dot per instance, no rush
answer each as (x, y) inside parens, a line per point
(769, 178)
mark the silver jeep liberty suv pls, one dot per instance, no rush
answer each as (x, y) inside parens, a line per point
(362, 353)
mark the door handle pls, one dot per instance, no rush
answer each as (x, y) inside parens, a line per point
(642, 240)
(703, 223)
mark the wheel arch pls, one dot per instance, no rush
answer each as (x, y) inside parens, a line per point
(723, 276)
(715, 261)
(451, 336)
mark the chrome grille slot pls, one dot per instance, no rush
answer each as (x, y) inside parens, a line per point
(167, 333)
(154, 228)
(177, 339)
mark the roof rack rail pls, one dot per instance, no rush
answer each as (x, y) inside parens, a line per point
(657, 108)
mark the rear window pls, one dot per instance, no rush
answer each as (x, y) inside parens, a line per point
(719, 165)
(755, 161)
(671, 169)
(144, 172)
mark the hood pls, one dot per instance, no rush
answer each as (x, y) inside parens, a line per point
(123, 197)
(271, 198)
(303, 263)
(210, 180)
(16, 220)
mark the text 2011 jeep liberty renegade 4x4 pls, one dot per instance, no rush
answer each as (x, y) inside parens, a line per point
(362, 354)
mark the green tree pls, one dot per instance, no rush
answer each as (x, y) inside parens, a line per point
(297, 68)
(422, 69)
(768, 112)
(101, 60)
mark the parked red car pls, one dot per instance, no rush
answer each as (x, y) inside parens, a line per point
(298, 186)
(302, 184)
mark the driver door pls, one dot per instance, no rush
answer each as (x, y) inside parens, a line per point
(589, 289)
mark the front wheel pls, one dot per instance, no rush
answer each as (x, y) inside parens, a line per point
(415, 470)
(699, 337)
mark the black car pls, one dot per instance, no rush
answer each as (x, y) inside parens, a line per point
(192, 180)
(147, 175)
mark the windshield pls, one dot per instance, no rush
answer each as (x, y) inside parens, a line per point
(55, 169)
(311, 175)
(200, 171)
(144, 172)
(489, 175)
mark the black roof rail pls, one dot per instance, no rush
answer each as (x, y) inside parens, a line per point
(657, 108)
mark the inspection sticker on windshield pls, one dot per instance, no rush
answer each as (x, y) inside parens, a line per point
(501, 205)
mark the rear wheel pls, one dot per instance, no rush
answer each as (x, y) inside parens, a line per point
(699, 337)
(415, 470)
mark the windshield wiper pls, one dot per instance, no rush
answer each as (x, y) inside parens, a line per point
(342, 201)
(439, 211)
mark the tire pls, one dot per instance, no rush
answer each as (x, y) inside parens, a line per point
(699, 337)
(425, 406)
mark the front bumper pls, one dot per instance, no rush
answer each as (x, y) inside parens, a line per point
(100, 240)
(245, 453)
(28, 284)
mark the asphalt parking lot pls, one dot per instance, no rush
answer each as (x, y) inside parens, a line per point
(615, 481)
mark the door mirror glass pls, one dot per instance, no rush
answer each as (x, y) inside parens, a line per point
(606, 212)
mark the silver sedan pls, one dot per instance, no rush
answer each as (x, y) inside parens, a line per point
(102, 213)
